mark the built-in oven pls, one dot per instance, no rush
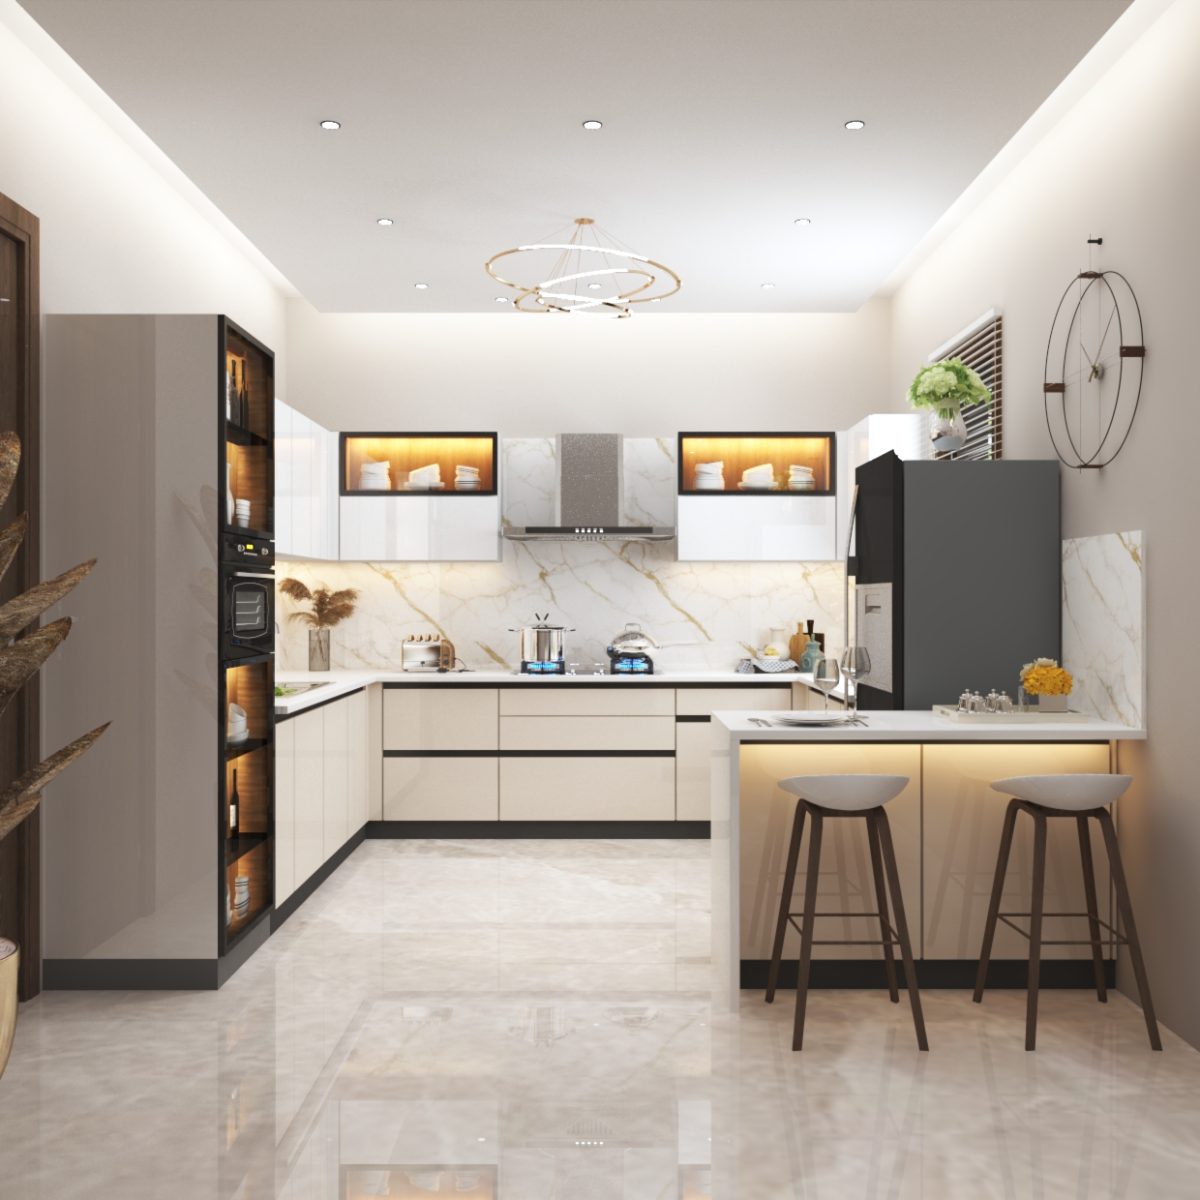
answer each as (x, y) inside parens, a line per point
(248, 613)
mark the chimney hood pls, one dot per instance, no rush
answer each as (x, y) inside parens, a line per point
(589, 496)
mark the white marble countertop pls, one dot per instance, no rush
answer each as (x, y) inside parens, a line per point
(908, 725)
(340, 683)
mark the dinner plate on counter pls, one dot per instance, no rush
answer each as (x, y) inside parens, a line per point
(812, 718)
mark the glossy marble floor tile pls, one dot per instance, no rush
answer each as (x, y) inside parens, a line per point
(531, 1021)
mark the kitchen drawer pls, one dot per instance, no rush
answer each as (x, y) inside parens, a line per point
(440, 717)
(572, 700)
(587, 733)
(700, 702)
(587, 789)
(693, 770)
(440, 789)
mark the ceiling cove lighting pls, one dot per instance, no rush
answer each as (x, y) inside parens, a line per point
(384, 221)
(593, 124)
(421, 287)
(330, 124)
(856, 124)
(562, 269)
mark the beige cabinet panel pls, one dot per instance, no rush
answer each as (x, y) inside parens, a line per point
(440, 789)
(285, 811)
(337, 777)
(700, 702)
(575, 700)
(309, 729)
(359, 747)
(587, 733)
(693, 770)
(375, 753)
(442, 717)
(587, 789)
(846, 883)
(963, 820)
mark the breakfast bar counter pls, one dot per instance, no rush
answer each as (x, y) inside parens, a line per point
(946, 828)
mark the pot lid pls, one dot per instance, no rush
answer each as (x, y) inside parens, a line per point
(633, 638)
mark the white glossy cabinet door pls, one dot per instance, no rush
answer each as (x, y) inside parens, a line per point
(324, 445)
(420, 528)
(309, 732)
(284, 453)
(358, 709)
(285, 811)
(303, 484)
(337, 777)
(757, 528)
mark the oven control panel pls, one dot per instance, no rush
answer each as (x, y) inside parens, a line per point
(237, 548)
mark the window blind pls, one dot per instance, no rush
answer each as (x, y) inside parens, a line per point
(982, 350)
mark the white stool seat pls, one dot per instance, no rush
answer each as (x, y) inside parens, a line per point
(1071, 793)
(846, 793)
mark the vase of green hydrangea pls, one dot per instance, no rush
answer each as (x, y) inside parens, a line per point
(945, 388)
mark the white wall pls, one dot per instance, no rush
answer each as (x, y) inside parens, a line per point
(1124, 163)
(117, 234)
(532, 375)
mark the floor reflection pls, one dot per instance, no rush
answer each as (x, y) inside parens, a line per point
(530, 1021)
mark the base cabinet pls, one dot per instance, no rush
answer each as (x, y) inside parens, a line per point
(336, 803)
(587, 789)
(310, 792)
(440, 789)
(285, 811)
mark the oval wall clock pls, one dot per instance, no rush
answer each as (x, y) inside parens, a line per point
(1093, 374)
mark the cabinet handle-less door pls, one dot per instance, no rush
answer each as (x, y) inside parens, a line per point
(359, 748)
(309, 792)
(337, 768)
(285, 810)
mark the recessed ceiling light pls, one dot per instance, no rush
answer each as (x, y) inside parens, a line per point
(330, 123)
(802, 221)
(856, 124)
(595, 286)
(501, 299)
(421, 287)
(656, 300)
(593, 124)
(384, 221)
(766, 287)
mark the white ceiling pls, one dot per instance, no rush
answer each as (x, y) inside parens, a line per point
(723, 121)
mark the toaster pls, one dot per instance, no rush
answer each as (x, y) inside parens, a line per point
(427, 652)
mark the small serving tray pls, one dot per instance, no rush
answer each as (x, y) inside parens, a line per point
(1013, 718)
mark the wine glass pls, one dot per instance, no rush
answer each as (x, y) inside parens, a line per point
(856, 663)
(826, 674)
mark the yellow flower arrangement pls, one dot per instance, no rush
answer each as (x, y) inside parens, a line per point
(1044, 677)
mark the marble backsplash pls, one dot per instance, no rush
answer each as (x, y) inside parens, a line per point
(703, 614)
(1104, 624)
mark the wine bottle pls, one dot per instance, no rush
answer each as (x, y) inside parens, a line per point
(243, 399)
(234, 804)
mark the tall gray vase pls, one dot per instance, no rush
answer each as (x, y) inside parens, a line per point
(318, 649)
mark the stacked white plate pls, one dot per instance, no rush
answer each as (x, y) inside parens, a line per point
(466, 479)
(800, 479)
(762, 476)
(241, 895)
(237, 728)
(422, 479)
(241, 513)
(710, 477)
(374, 477)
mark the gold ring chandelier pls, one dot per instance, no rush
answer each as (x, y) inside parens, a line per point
(576, 279)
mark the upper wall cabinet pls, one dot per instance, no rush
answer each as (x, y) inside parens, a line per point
(306, 486)
(419, 497)
(757, 497)
(903, 433)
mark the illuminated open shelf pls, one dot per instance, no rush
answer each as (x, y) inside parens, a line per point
(406, 452)
(741, 451)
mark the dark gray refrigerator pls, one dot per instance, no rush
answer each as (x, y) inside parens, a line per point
(958, 576)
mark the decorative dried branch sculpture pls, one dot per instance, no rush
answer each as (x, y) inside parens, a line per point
(22, 657)
(328, 608)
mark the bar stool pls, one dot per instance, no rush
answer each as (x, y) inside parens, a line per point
(1082, 797)
(828, 796)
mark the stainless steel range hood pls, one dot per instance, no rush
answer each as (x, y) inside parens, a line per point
(589, 496)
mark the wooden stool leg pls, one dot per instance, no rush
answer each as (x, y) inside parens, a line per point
(884, 833)
(807, 920)
(1126, 910)
(785, 900)
(889, 959)
(1037, 903)
(989, 929)
(1093, 908)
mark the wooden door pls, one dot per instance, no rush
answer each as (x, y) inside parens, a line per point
(20, 907)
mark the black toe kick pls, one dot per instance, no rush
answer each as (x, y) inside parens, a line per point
(456, 830)
(858, 973)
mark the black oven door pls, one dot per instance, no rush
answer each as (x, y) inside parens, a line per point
(248, 614)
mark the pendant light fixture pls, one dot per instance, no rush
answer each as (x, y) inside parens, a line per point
(589, 272)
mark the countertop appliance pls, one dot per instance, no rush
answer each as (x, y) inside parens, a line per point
(958, 576)
(628, 654)
(427, 652)
(543, 647)
(590, 497)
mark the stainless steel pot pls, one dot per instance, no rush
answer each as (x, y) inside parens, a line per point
(633, 639)
(542, 642)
